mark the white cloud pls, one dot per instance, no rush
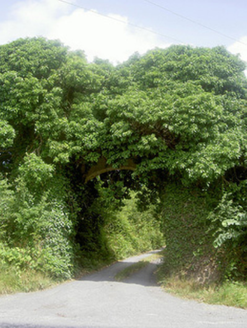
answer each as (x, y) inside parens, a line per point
(31, 18)
(97, 35)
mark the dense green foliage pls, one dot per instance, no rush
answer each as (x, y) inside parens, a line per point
(130, 231)
(229, 225)
(179, 113)
(36, 228)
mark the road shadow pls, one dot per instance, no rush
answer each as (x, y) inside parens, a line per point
(144, 276)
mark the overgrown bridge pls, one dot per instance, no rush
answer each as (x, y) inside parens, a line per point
(102, 167)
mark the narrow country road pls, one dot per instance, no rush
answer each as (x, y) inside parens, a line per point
(98, 301)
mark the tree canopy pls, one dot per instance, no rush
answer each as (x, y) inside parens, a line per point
(180, 109)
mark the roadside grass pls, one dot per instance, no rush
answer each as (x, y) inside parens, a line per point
(229, 293)
(14, 281)
(155, 256)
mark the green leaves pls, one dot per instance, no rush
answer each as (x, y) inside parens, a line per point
(228, 225)
(35, 222)
(231, 220)
(7, 134)
(34, 171)
(181, 105)
(35, 56)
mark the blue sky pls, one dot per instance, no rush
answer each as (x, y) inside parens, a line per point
(171, 22)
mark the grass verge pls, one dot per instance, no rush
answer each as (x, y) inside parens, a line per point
(228, 293)
(13, 281)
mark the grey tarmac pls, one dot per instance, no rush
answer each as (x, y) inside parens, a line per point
(98, 301)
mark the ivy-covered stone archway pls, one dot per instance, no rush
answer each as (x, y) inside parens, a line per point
(180, 111)
(102, 167)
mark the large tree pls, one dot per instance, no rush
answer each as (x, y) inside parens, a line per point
(180, 112)
(179, 109)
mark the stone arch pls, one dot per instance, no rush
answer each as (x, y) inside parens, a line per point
(103, 167)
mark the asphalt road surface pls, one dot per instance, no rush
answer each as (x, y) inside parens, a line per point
(98, 301)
